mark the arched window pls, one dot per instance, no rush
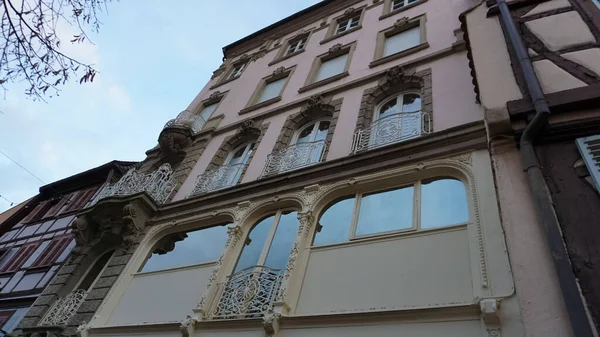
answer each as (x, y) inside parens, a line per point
(236, 161)
(187, 248)
(425, 204)
(270, 241)
(92, 274)
(309, 143)
(314, 132)
(396, 119)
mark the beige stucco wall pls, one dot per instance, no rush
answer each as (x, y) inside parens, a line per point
(164, 296)
(391, 274)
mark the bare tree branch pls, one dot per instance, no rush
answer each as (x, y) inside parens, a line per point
(30, 46)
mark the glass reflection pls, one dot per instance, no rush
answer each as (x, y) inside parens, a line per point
(200, 246)
(258, 237)
(386, 211)
(282, 243)
(335, 223)
(443, 203)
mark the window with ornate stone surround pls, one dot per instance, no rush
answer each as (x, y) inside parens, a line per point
(393, 7)
(345, 24)
(293, 46)
(231, 71)
(405, 37)
(329, 67)
(269, 90)
(317, 108)
(395, 81)
(218, 174)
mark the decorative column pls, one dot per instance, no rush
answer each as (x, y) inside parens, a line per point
(208, 299)
(306, 220)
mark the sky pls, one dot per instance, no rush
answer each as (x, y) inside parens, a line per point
(153, 58)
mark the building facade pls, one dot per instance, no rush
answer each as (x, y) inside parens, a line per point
(333, 177)
(36, 239)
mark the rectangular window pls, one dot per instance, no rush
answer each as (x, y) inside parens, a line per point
(58, 206)
(36, 254)
(207, 111)
(80, 199)
(332, 67)
(237, 71)
(29, 281)
(398, 4)
(347, 24)
(385, 211)
(37, 213)
(296, 46)
(47, 277)
(20, 257)
(402, 41)
(13, 282)
(272, 90)
(52, 252)
(7, 256)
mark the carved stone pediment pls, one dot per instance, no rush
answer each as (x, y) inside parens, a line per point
(317, 104)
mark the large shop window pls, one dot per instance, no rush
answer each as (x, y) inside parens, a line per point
(425, 204)
(270, 241)
(199, 246)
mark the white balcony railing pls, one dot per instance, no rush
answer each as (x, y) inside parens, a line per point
(187, 119)
(294, 157)
(217, 179)
(392, 129)
(158, 184)
(249, 293)
(64, 308)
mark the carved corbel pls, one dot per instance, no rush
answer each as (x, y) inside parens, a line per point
(82, 229)
(271, 323)
(401, 22)
(317, 103)
(396, 75)
(167, 243)
(335, 48)
(187, 326)
(133, 224)
(489, 311)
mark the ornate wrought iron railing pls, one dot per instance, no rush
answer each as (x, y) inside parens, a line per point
(249, 293)
(187, 119)
(158, 184)
(392, 129)
(64, 308)
(294, 157)
(217, 179)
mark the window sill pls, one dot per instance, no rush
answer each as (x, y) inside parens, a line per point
(323, 82)
(397, 235)
(224, 82)
(398, 55)
(259, 105)
(331, 38)
(288, 56)
(387, 15)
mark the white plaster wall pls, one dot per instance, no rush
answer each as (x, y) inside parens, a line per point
(425, 329)
(166, 296)
(423, 271)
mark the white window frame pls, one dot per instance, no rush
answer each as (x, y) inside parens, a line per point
(588, 157)
(315, 125)
(416, 220)
(341, 27)
(237, 70)
(399, 99)
(296, 46)
(245, 156)
(399, 4)
(268, 241)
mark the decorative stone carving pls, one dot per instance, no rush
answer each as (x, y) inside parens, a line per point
(218, 72)
(167, 243)
(81, 229)
(335, 48)
(401, 22)
(350, 11)
(493, 332)
(278, 71)
(259, 54)
(42, 331)
(305, 219)
(187, 326)
(215, 96)
(318, 104)
(271, 323)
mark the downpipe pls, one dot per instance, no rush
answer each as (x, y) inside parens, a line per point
(575, 306)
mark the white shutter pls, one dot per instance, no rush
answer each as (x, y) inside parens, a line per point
(402, 41)
(271, 90)
(332, 67)
(590, 151)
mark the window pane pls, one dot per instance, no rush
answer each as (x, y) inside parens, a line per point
(332, 67)
(306, 134)
(62, 223)
(36, 254)
(200, 246)
(8, 256)
(63, 256)
(411, 103)
(443, 203)
(322, 130)
(47, 277)
(386, 211)
(335, 223)
(3, 281)
(271, 90)
(29, 281)
(402, 41)
(279, 253)
(13, 281)
(44, 227)
(28, 231)
(258, 236)
(207, 111)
